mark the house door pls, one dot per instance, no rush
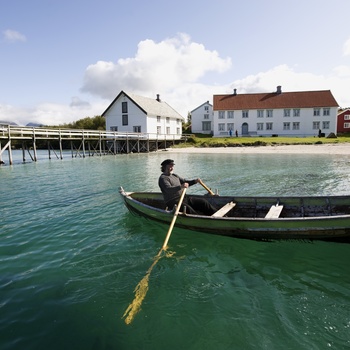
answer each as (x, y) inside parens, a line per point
(245, 129)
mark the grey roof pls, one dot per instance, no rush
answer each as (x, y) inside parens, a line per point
(150, 106)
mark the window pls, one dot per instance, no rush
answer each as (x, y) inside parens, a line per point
(296, 125)
(206, 116)
(287, 112)
(124, 107)
(167, 120)
(245, 114)
(326, 111)
(206, 126)
(137, 128)
(113, 128)
(316, 125)
(178, 131)
(159, 129)
(125, 119)
(206, 108)
(268, 126)
(168, 130)
(269, 113)
(325, 125)
(261, 113)
(177, 121)
(221, 127)
(347, 117)
(317, 112)
(346, 125)
(230, 126)
(158, 118)
(230, 114)
(286, 126)
(296, 112)
(221, 114)
(260, 126)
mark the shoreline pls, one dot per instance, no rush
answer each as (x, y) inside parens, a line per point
(330, 148)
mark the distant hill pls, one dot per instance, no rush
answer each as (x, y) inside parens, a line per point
(35, 124)
(4, 122)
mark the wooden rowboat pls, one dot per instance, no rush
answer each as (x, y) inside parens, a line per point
(260, 218)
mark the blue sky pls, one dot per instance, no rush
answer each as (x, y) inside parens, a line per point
(61, 61)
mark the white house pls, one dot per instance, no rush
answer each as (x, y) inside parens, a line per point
(131, 113)
(303, 113)
(202, 119)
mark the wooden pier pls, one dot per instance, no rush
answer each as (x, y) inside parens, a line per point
(82, 143)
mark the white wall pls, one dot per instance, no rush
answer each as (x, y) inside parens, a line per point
(305, 120)
(197, 118)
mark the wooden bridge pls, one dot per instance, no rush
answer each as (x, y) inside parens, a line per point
(82, 143)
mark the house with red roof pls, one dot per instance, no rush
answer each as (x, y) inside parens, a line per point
(300, 113)
(343, 122)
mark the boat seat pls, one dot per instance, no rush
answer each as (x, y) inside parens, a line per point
(274, 212)
(224, 210)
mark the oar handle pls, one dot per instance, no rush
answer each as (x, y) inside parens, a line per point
(173, 221)
(206, 187)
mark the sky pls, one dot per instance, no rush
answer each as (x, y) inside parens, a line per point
(61, 61)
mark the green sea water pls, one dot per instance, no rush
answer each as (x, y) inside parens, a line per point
(71, 255)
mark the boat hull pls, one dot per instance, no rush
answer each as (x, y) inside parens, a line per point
(320, 227)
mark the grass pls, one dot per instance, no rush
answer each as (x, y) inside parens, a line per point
(201, 140)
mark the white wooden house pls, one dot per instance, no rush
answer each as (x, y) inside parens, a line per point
(129, 113)
(303, 113)
(202, 119)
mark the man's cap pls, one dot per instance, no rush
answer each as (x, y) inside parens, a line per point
(167, 162)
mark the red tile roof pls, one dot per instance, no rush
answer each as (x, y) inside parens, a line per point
(301, 99)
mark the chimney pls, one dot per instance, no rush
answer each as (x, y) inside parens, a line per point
(234, 92)
(158, 98)
(279, 90)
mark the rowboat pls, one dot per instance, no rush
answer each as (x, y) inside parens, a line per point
(311, 218)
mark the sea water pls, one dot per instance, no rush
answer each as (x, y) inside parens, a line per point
(71, 255)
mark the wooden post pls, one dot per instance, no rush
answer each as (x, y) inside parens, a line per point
(83, 142)
(24, 151)
(60, 143)
(9, 147)
(34, 146)
(48, 148)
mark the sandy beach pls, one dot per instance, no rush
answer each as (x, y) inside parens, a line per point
(341, 148)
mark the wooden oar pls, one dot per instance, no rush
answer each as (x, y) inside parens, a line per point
(206, 187)
(142, 287)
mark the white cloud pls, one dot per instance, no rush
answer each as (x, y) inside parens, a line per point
(12, 36)
(49, 113)
(174, 68)
(157, 67)
(346, 48)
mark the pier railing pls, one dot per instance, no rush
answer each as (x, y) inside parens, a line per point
(82, 142)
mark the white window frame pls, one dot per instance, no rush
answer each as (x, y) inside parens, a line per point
(245, 113)
(259, 126)
(260, 113)
(326, 111)
(317, 112)
(269, 126)
(296, 126)
(346, 116)
(326, 125)
(269, 113)
(316, 125)
(286, 126)
(230, 114)
(221, 127)
(221, 114)
(286, 112)
(296, 112)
